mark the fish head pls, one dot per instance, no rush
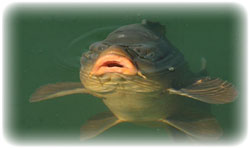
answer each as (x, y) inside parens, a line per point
(137, 53)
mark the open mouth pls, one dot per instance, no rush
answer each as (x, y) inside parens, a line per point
(112, 64)
(114, 61)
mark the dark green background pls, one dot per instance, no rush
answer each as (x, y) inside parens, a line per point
(43, 44)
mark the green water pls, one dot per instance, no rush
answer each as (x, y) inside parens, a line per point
(43, 44)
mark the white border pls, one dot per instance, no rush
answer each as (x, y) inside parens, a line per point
(5, 3)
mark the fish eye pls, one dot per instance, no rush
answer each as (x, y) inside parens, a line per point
(87, 54)
(150, 55)
(140, 51)
(98, 46)
(145, 53)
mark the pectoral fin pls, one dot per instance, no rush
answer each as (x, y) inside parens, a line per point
(98, 124)
(57, 90)
(214, 91)
(202, 129)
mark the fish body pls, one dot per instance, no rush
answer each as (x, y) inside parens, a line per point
(141, 77)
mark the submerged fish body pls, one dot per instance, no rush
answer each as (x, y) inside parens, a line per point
(142, 78)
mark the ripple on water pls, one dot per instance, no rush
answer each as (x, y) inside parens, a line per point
(68, 58)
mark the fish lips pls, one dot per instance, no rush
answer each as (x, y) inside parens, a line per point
(113, 60)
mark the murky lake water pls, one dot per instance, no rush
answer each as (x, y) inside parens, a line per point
(44, 45)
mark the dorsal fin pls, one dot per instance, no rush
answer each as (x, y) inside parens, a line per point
(156, 27)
